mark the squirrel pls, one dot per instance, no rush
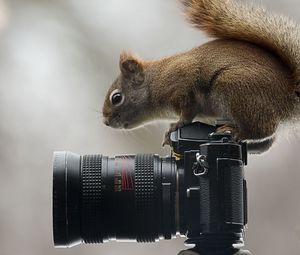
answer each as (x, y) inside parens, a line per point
(249, 73)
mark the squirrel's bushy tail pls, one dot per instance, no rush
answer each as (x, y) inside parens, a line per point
(232, 19)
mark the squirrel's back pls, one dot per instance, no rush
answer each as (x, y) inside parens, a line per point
(232, 20)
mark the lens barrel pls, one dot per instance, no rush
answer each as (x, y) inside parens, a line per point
(97, 198)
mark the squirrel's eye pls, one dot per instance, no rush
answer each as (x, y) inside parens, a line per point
(116, 98)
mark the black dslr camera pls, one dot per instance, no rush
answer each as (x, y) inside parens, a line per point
(199, 192)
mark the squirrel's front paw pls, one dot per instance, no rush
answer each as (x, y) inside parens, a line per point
(173, 127)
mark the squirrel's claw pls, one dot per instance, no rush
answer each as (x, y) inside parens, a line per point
(233, 130)
(173, 127)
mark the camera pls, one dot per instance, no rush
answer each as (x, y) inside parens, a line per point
(198, 192)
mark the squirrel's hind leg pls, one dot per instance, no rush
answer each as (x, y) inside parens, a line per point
(248, 100)
(254, 146)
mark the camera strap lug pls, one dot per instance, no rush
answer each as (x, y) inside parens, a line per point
(200, 167)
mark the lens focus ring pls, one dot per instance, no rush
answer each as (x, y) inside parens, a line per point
(91, 198)
(145, 199)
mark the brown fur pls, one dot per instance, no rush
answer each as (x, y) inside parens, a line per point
(247, 82)
(233, 19)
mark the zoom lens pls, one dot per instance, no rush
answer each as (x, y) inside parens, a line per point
(97, 198)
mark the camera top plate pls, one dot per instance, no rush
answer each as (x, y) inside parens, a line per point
(191, 136)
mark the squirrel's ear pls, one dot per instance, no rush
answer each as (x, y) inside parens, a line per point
(131, 68)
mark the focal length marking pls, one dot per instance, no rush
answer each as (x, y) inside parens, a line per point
(124, 174)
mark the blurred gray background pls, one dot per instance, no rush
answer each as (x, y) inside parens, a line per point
(57, 59)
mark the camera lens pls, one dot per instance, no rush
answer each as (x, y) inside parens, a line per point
(98, 198)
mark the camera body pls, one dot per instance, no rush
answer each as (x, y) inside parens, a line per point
(213, 190)
(199, 192)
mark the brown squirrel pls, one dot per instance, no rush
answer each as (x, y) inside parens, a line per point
(250, 74)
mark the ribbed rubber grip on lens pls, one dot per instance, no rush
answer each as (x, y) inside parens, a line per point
(145, 200)
(91, 198)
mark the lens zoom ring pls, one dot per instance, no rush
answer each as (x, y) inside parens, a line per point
(145, 200)
(91, 198)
